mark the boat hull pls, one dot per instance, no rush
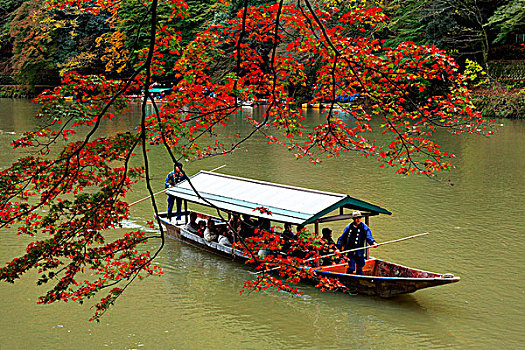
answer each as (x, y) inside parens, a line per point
(385, 279)
(178, 232)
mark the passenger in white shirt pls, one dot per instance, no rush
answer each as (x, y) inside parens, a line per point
(224, 238)
(210, 234)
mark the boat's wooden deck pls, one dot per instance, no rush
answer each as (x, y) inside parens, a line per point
(368, 269)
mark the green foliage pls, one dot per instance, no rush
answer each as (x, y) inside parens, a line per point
(77, 38)
(404, 21)
(201, 11)
(508, 18)
(135, 29)
(458, 26)
(46, 42)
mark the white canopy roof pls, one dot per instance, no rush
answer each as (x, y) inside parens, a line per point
(245, 196)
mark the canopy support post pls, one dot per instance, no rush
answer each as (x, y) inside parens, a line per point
(367, 222)
(186, 211)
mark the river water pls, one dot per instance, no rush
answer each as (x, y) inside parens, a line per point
(475, 215)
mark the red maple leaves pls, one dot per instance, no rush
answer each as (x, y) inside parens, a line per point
(277, 54)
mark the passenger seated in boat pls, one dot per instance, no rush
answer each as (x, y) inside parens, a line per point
(235, 226)
(247, 226)
(287, 235)
(264, 225)
(301, 250)
(210, 234)
(202, 228)
(224, 237)
(192, 226)
(328, 247)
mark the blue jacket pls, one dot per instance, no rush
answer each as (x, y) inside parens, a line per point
(363, 232)
(174, 178)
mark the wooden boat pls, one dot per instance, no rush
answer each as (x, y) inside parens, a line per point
(299, 206)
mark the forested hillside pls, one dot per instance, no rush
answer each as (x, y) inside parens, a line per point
(40, 43)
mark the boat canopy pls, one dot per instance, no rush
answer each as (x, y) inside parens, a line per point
(283, 203)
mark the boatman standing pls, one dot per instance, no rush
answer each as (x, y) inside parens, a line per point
(354, 236)
(173, 178)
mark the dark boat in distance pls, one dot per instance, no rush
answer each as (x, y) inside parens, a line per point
(299, 206)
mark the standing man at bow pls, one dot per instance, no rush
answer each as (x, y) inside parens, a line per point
(354, 236)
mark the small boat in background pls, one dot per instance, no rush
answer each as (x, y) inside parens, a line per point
(312, 105)
(301, 207)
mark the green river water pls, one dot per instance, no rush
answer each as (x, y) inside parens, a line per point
(475, 215)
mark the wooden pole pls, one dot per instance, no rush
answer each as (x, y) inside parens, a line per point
(143, 199)
(352, 250)
(367, 222)
(164, 190)
(217, 168)
(376, 245)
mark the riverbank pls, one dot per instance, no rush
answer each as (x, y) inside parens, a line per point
(492, 103)
(500, 102)
(22, 91)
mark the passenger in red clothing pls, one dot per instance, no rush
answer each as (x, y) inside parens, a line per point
(202, 227)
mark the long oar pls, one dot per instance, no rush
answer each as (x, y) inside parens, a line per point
(164, 190)
(143, 199)
(352, 250)
(217, 168)
(372, 246)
